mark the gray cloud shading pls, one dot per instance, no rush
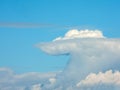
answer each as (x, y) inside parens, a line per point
(48, 81)
(94, 64)
(27, 81)
(88, 55)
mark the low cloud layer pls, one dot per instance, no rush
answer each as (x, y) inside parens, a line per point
(27, 81)
(49, 81)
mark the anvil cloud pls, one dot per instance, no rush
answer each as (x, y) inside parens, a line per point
(94, 64)
(90, 50)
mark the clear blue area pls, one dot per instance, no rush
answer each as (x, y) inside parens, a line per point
(17, 45)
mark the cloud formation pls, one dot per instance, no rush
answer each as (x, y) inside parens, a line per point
(102, 81)
(47, 81)
(25, 25)
(94, 65)
(90, 53)
(101, 78)
(72, 34)
(27, 81)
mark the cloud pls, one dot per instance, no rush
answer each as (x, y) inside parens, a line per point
(102, 81)
(52, 80)
(25, 25)
(101, 78)
(94, 64)
(47, 81)
(27, 81)
(72, 34)
(90, 52)
(32, 25)
(36, 87)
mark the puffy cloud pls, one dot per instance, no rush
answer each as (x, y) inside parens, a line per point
(36, 87)
(27, 81)
(52, 80)
(87, 55)
(89, 52)
(81, 34)
(101, 78)
(100, 81)
(90, 55)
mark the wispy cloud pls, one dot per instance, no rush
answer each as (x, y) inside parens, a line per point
(25, 25)
(35, 25)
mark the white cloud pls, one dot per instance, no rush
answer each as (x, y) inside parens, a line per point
(81, 34)
(89, 52)
(101, 78)
(36, 87)
(27, 81)
(90, 55)
(52, 80)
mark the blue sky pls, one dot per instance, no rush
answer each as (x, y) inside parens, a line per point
(17, 44)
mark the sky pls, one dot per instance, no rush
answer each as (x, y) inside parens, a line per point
(24, 24)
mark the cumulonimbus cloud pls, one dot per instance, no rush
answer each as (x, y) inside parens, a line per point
(90, 52)
(93, 62)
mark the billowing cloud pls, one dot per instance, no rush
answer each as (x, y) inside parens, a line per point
(101, 78)
(27, 81)
(52, 80)
(90, 52)
(94, 65)
(47, 81)
(36, 87)
(81, 34)
(108, 80)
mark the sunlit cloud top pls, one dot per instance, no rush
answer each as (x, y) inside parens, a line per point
(74, 33)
